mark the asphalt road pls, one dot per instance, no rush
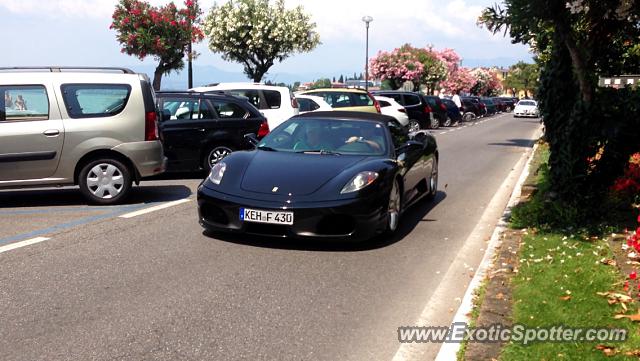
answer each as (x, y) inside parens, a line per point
(154, 287)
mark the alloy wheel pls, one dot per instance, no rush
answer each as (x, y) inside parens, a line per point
(394, 207)
(217, 154)
(414, 125)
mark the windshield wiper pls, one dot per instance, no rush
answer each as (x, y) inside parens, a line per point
(321, 151)
(266, 148)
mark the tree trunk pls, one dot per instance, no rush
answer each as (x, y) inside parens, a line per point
(157, 77)
(578, 61)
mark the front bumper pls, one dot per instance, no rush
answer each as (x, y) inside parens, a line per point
(526, 114)
(353, 219)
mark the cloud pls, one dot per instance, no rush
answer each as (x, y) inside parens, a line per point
(66, 8)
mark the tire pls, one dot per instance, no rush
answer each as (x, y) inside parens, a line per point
(413, 125)
(435, 123)
(447, 122)
(468, 116)
(394, 208)
(105, 181)
(433, 181)
(214, 155)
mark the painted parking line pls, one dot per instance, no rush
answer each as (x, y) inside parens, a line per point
(154, 208)
(67, 225)
(13, 212)
(24, 243)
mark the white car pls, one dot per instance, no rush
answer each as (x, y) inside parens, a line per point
(276, 103)
(388, 106)
(526, 108)
(312, 103)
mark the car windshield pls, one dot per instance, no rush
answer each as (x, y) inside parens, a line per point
(327, 137)
(527, 102)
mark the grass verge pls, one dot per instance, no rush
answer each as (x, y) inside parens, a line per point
(558, 281)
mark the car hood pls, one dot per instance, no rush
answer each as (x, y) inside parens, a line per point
(294, 173)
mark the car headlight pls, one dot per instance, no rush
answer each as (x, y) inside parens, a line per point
(217, 172)
(360, 181)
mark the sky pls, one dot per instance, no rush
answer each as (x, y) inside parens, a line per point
(76, 32)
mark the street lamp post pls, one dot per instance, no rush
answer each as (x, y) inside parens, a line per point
(367, 19)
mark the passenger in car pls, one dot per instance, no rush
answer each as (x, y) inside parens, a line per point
(8, 101)
(20, 103)
(370, 136)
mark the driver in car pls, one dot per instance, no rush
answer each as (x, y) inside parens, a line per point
(313, 139)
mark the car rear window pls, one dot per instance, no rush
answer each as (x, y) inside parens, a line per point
(228, 110)
(411, 99)
(273, 98)
(95, 100)
(526, 102)
(307, 105)
(182, 108)
(361, 100)
(24, 102)
(252, 95)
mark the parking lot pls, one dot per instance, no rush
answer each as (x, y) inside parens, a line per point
(142, 280)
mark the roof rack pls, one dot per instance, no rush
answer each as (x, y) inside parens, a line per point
(58, 69)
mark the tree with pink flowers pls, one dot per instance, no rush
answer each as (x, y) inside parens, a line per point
(397, 66)
(460, 80)
(164, 32)
(487, 82)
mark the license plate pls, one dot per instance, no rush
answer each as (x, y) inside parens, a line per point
(270, 217)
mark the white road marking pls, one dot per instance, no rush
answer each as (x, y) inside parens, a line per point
(155, 208)
(447, 351)
(24, 243)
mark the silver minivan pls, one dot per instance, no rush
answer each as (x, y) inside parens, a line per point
(91, 127)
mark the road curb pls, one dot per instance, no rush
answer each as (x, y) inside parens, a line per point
(448, 351)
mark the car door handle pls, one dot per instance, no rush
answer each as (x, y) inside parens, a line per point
(51, 132)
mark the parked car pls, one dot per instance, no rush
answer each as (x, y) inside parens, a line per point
(453, 112)
(421, 114)
(389, 106)
(199, 129)
(489, 105)
(344, 189)
(509, 103)
(481, 106)
(471, 109)
(347, 99)
(500, 105)
(95, 128)
(312, 103)
(526, 108)
(277, 103)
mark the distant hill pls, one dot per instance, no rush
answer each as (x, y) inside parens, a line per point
(206, 74)
(203, 75)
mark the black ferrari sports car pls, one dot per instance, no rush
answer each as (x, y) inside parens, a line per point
(342, 175)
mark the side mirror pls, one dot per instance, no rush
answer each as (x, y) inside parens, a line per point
(251, 138)
(165, 115)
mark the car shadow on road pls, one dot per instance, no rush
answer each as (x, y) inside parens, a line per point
(524, 143)
(68, 196)
(410, 219)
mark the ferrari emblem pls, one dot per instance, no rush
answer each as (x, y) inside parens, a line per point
(275, 189)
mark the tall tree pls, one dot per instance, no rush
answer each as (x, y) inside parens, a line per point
(163, 32)
(577, 42)
(341, 79)
(257, 34)
(522, 76)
